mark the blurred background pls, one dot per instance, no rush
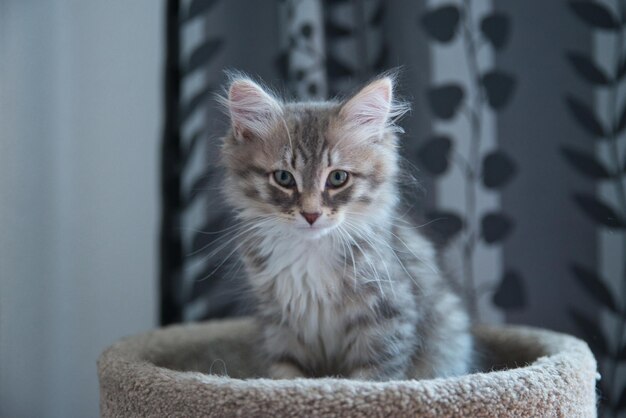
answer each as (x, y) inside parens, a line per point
(108, 183)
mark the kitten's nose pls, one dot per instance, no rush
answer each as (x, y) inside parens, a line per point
(310, 217)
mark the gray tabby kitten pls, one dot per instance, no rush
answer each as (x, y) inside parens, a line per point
(345, 286)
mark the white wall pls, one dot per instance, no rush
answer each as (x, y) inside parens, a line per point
(80, 119)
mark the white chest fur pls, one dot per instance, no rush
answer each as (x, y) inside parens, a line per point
(307, 280)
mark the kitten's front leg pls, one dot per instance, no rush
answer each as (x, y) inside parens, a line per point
(365, 373)
(283, 351)
(381, 372)
(380, 356)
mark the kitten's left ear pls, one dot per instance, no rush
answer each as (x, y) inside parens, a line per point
(371, 107)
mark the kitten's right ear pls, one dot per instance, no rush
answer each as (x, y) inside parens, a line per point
(253, 112)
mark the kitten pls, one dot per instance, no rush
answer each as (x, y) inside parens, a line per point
(345, 287)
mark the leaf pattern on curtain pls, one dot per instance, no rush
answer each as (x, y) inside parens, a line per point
(302, 63)
(483, 169)
(606, 338)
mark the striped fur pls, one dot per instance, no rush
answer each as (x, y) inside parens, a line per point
(358, 293)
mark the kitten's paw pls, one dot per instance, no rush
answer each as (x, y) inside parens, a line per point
(379, 374)
(364, 373)
(284, 370)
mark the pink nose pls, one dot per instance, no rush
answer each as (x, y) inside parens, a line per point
(310, 217)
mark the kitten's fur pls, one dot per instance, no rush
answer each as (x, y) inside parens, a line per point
(358, 293)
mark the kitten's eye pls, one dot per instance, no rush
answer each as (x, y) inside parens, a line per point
(284, 178)
(337, 178)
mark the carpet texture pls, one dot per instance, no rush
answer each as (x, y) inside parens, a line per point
(208, 370)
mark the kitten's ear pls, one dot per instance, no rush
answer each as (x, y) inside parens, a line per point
(253, 112)
(371, 107)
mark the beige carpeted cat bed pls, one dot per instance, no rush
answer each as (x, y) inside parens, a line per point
(165, 373)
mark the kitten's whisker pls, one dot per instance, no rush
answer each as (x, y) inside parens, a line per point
(240, 233)
(369, 262)
(240, 261)
(407, 225)
(222, 244)
(240, 264)
(334, 239)
(393, 250)
(199, 231)
(370, 237)
(232, 275)
(430, 266)
(221, 263)
(238, 226)
(421, 259)
(237, 247)
(385, 222)
(373, 247)
(349, 247)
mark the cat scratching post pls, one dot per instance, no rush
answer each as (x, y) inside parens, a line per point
(209, 370)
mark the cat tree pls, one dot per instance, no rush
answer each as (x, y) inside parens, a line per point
(209, 369)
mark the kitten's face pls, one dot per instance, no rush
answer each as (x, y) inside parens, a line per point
(310, 167)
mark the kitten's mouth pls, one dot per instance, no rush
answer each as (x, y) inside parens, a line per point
(312, 228)
(314, 231)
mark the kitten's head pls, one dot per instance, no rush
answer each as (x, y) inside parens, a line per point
(311, 167)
